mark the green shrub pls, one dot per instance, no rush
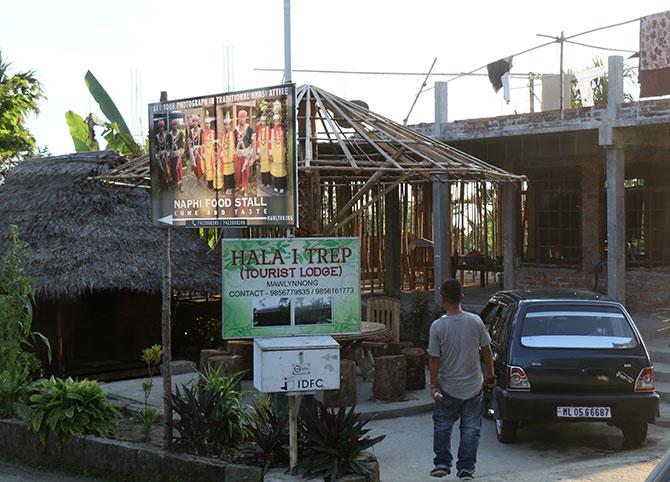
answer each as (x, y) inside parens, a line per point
(212, 414)
(232, 412)
(66, 408)
(152, 356)
(18, 364)
(335, 440)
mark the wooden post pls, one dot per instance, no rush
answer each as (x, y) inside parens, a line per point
(166, 328)
(166, 331)
(293, 432)
(392, 252)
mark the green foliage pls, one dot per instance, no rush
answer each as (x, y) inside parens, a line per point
(152, 357)
(232, 412)
(19, 96)
(114, 128)
(107, 105)
(269, 432)
(80, 133)
(212, 414)
(66, 408)
(197, 410)
(335, 441)
(17, 363)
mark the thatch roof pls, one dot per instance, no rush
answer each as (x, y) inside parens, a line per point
(86, 235)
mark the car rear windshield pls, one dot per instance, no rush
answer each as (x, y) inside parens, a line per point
(561, 326)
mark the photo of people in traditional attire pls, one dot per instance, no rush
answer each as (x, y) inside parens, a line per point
(195, 138)
(244, 153)
(263, 150)
(230, 150)
(175, 142)
(278, 155)
(225, 168)
(161, 162)
(209, 152)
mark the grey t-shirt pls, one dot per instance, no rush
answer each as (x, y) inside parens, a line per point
(456, 340)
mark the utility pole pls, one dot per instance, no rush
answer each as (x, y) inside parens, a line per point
(531, 91)
(561, 40)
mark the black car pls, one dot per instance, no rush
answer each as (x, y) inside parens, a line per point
(567, 355)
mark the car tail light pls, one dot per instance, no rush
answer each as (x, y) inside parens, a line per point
(646, 380)
(517, 379)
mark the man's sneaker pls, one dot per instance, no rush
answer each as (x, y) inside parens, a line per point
(465, 475)
(440, 471)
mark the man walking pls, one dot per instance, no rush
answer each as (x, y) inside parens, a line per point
(456, 381)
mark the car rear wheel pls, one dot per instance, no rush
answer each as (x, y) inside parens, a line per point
(634, 433)
(506, 430)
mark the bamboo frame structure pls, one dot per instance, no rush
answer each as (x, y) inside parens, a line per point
(350, 160)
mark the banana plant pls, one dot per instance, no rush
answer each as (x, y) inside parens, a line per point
(115, 130)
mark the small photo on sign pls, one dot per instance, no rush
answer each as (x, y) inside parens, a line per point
(313, 310)
(272, 312)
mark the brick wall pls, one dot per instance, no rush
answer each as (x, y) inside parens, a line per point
(646, 290)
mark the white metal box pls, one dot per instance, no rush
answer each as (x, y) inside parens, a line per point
(296, 364)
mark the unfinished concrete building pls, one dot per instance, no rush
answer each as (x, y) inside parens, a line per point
(595, 211)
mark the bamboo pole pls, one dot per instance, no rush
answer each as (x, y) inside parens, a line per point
(166, 315)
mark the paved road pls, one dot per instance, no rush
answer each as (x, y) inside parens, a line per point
(15, 473)
(543, 452)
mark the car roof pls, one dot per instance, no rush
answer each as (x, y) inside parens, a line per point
(545, 294)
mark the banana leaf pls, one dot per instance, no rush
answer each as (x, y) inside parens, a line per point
(107, 105)
(79, 132)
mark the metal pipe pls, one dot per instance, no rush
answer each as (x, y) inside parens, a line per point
(287, 41)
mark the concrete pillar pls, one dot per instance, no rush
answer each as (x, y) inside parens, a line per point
(392, 255)
(441, 234)
(510, 215)
(441, 108)
(616, 225)
(615, 159)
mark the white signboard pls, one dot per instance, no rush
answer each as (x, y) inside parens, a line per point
(296, 364)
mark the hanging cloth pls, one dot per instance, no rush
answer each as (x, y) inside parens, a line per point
(505, 83)
(497, 69)
(655, 55)
(584, 79)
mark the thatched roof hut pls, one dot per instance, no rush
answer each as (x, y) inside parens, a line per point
(89, 236)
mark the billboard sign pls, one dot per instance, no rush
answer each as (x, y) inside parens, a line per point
(294, 286)
(225, 160)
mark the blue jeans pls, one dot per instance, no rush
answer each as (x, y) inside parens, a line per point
(445, 413)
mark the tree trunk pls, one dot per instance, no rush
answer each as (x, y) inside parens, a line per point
(416, 368)
(346, 395)
(390, 378)
(206, 354)
(244, 348)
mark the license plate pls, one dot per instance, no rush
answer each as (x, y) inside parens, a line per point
(583, 412)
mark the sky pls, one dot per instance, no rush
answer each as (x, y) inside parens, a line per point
(138, 48)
